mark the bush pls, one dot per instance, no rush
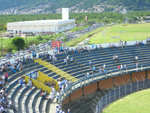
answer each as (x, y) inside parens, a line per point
(10, 47)
(18, 42)
(39, 38)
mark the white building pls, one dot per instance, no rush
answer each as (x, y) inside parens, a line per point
(38, 26)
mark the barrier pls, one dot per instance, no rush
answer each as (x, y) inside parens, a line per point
(120, 92)
(38, 84)
(42, 78)
(56, 70)
(95, 78)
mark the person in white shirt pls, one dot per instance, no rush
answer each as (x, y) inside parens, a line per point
(121, 66)
(53, 89)
(117, 57)
(136, 58)
(57, 96)
(104, 66)
(88, 74)
(30, 84)
(137, 64)
(52, 95)
(65, 60)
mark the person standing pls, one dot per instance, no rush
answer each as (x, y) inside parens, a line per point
(90, 63)
(30, 84)
(6, 77)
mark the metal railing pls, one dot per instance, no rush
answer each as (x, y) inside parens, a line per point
(118, 93)
(94, 78)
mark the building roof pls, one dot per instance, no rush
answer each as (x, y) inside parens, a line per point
(42, 22)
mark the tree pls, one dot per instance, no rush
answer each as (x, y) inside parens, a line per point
(18, 42)
(10, 47)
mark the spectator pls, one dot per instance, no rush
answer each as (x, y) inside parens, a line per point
(119, 67)
(88, 74)
(100, 70)
(137, 64)
(90, 63)
(52, 95)
(6, 77)
(125, 66)
(100, 47)
(30, 84)
(93, 69)
(45, 83)
(34, 54)
(72, 60)
(43, 95)
(105, 70)
(114, 46)
(136, 58)
(104, 66)
(136, 43)
(49, 83)
(125, 44)
(147, 40)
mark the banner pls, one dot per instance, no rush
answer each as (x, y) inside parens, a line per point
(56, 44)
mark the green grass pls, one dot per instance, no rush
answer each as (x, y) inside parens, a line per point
(85, 36)
(135, 103)
(133, 32)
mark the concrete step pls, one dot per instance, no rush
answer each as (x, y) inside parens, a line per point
(32, 99)
(24, 97)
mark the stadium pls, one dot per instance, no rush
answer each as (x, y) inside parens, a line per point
(95, 78)
(84, 81)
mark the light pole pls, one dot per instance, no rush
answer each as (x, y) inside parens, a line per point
(26, 40)
(1, 46)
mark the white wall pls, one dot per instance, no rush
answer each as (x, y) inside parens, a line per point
(65, 13)
(41, 27)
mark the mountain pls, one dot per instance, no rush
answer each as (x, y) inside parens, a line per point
(54, 6)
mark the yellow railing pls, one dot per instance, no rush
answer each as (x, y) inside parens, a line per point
(56, 70)
(38, 84)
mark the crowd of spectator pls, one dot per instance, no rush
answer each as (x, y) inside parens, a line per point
(4, 102)
(16, 66)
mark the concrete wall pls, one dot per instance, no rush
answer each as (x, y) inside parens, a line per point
(90, 88)
(138, 76)
(107, 83)
(76, 94)
(122, 78)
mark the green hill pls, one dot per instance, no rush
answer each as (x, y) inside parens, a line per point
(82, 4)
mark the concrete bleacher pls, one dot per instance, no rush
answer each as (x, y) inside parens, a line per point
(100, 57)
(30, 100)
(24, 98)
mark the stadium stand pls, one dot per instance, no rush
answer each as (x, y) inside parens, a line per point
(30, 100)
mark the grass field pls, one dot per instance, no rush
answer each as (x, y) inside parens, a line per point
(138, 102)
(133, 32)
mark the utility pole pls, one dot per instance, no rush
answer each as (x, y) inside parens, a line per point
(55, 31)
(26, 40)
(1, 46)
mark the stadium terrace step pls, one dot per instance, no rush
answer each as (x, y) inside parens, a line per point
(43, 104)
(36, 100)
(56, 70)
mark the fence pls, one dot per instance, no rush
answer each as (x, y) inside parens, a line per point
(97, 77)
(118, 93)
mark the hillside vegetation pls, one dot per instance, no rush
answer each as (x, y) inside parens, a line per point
(55, 4)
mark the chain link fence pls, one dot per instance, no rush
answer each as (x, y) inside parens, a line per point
(118, 93)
